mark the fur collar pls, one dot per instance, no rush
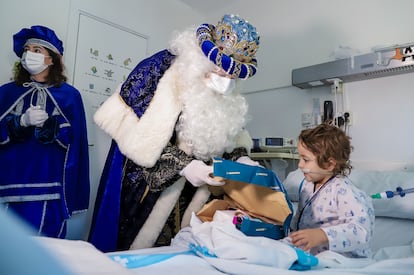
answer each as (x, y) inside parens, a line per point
(138, 139)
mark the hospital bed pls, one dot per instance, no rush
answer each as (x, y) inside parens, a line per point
(392, 244)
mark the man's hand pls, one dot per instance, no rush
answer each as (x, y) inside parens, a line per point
(198, 173)
(308, 238)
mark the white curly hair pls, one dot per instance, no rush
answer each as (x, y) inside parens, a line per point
(210, 122)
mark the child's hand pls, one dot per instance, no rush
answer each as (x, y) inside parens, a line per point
(308, 238)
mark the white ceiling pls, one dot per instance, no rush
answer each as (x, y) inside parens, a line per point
(208, 6)
(260, 14)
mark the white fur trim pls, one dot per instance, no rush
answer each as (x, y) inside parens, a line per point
(158, 216)
(244, 140)
(142, 140)
(197, 202)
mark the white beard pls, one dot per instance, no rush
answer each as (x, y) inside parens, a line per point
(209, 122)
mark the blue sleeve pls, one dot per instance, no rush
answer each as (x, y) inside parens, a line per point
(73, 133)
(138, 89)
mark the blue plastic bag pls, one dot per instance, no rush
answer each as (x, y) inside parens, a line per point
(256, 190)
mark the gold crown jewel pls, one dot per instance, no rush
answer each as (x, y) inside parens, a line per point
(237, 38)
(231, 45)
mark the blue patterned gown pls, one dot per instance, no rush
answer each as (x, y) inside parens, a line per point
(342, 211)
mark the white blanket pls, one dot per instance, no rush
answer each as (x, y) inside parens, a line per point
(83, 258)
(221, 248)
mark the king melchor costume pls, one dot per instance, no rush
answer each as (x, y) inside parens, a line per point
(140, 183)
(44, 169)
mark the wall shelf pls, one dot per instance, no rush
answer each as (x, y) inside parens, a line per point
(394, 60)
(267, 153)
(273, 155)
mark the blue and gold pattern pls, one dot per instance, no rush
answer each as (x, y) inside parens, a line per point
(231, 45)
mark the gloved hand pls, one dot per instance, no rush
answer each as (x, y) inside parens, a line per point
(247, 160)
(198, 173)
(34, 116)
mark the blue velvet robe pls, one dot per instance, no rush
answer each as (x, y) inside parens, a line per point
(137, 92)
(44, 170)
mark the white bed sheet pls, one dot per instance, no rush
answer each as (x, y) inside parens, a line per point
(394, 256)
(392, 244)
(82, 258)
(388, 259)
(394, 260)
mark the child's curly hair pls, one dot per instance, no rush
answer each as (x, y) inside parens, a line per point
(325, 142)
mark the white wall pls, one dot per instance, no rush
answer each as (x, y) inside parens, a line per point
(383, 121)
(19, 14)
(155, 19)
(143, 17)
(382, 110)
(294, 33)
(302, 33)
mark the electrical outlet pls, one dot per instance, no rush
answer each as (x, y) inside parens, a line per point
(336, 85)
(340, 88)
(337, 88)
(349, 118)
(307, 120)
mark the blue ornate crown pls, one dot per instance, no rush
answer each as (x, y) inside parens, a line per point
(231, 45)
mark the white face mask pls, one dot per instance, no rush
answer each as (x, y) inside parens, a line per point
(220, 84)
(34, 63)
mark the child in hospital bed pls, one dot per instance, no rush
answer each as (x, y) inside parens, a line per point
(332, 213)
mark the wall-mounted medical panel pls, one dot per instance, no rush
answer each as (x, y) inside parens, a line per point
(383, 62)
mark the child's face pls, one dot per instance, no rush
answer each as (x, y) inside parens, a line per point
(310, 167)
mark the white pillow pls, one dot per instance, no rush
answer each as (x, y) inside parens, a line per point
(371, 182)
(291, 184)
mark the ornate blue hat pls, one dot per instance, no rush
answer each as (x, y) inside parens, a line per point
(231, 45)
(37, 35)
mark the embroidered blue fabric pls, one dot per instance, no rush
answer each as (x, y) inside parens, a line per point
(138, 89)
(137, 92)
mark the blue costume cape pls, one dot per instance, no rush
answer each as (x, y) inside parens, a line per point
(44, 170)
(137, 92)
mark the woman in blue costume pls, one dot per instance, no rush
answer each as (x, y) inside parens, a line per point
(176, 111)
(44, 163)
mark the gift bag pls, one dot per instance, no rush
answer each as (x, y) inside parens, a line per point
(253, 189)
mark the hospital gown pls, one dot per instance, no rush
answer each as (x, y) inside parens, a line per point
(342, 211)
